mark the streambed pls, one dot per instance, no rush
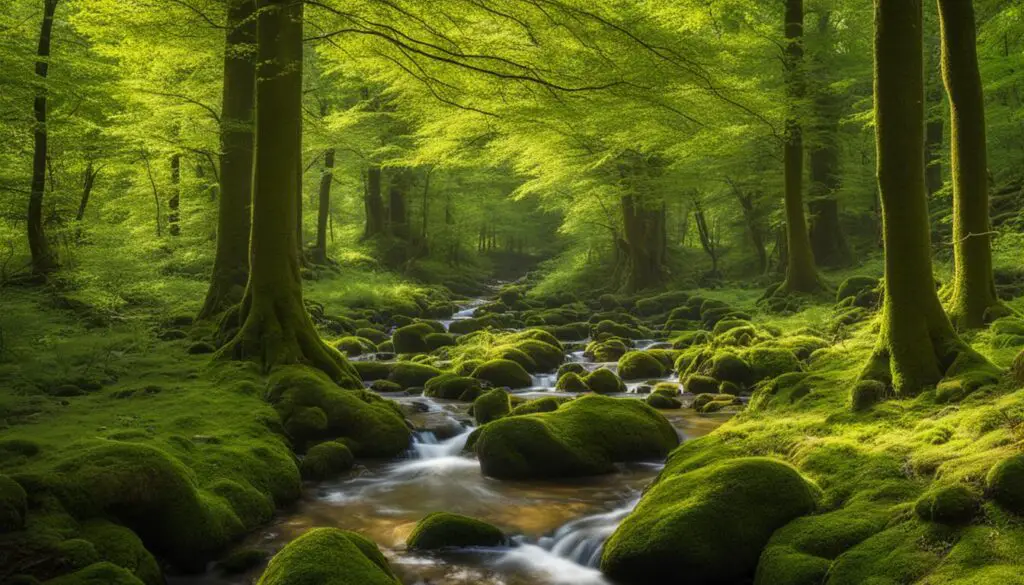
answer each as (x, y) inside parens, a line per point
(558, 526)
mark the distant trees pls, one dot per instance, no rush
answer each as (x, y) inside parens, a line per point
(44, 259)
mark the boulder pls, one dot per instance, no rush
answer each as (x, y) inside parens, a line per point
(445, 530)
(329, 556)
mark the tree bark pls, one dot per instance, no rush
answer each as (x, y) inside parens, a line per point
(973, 291)
(44, 260)
(398, 213)
(88, 182)
(375, 220)
(324, 208)
(801, 275)
(645, 262)
(231, 263)
(916, 343)
(174, 201)
(275, 328)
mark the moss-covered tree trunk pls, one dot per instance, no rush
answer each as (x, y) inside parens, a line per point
(933, 137)
(174, 201)
(398, 212)
(44, 259)
(801, 274)
(973, 291)
(231, 263)
(88, 182)
(376, 222)
(917, 343)
(642, 241)
(274, 325)
(324, 208)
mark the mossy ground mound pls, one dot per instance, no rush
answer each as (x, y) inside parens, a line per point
(585, 436)
(502, 372)
(328, 556)
(707, 525)
(445, 530)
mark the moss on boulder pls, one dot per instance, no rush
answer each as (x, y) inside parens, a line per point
(546, 355)
(326, 460)
(574, 367)
(546, 404)
(954, 505)
(571, 382)
(411, 374)
(604, 381)
(771, 362)
(103, 573)
(369, 370)
(698, 384)
(640, 365)
(729, 367)
(13, 505)
(453, 387)
(503, 373)
(708, 525)
(662, 402)
(122, 547)
(586, 436)
(491, 406)
(445, 530)
(329, 556)
(1005, 484)
(609, 350)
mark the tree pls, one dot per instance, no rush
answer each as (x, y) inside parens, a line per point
(973, 289)
(917, 345)
(44, 260)
(801, 274)
(274, 327)
(319, 252)
(231, 263)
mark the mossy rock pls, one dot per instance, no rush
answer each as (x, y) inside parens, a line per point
(640, 365)
(122, 547)
(326, 460)
(491, 406)
(574, 367)
(571, 382)
(606, 351)
(586, 436)
(667, 389)
(375, 335)
(241, 561)
(698, 384)
(708, 525)
(661, 303)
(604, 381)
(536, 334)
(505, 373)
(619, 330)
(445, 530)
(732, 368)
(410, 374)
(771, 362)
(702, 400)
(516, 355)
(200, 348)
(691, 339)
(855, 285)
(13, 505)
(103, 573)
(354, 346)
(464, 326)
(1005, 484)
(547, 356)
(546, 404)
(903, 553)
(453, 387)
(954, 505)
(385, 386)
(690, 360)
(369, 370)
(412, 338)
(329, 556)
(662, 402)
(436, 341)
(865, 394)
(726, 325)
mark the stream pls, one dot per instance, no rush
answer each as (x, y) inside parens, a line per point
(558, 527)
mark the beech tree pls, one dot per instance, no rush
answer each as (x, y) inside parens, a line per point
(44, 260)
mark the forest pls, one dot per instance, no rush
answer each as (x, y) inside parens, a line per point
(511, 292)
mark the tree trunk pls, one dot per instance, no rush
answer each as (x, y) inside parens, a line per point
(645, 267)
(324, 210)
(88, 182)
(174, 202)
(933, 149)
(44, 260)
(973, 292)
(231, 263)
(753, 228)
(375, 220)
(801, 275)
(917, 343)
(156, 194)
(275, 327)
(398, 213)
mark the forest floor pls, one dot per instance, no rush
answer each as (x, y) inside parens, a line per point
(79, 376)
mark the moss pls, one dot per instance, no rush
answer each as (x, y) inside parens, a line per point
(546, 404)
(660, 401)
(728, 387)
(464, 326)
(865, 394)
(241, 561)
(453, 387)
(702, 400)
(353, 346)
(667, 389)
(516, 355)
(770, 362)
(201, 348)
(375, 335)
(948, 504)
(571, 382)
(252, 507)
(326, 460)
(604, 381)
(542, 336)
(640, 365)
(586, 436)
(409, 374)
(731, 368)
(329, 556)
(661, 303)
(707, 525)
(1005, 484)
(574, 367)
(120, 546)
(306, 424)
(445, 530)
(690, 339)
(385, 386)
(726, 325)
(618, 330)
(98, 574)
(13, 505)
(503, 373)
(412, 338)
(436, 341)
(606, 351)
(547, 356)
(697, 384)
(855, 285)
(491, 406)
(369, 371)
(901, 554)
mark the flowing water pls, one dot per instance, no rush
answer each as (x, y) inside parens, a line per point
(558, 527)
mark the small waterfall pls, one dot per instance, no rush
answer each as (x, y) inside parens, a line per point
(426, 446)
